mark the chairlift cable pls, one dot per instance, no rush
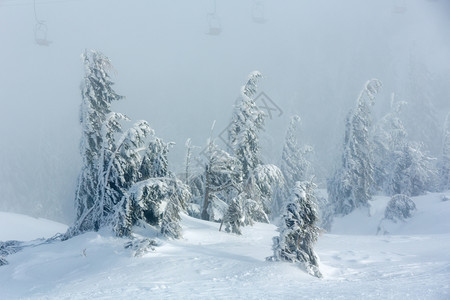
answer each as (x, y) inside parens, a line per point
(35, 14)
(40, 30)
(12, 3)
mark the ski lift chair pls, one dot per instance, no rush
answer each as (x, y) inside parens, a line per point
(40, 34)
(258, 15)
(214, 25)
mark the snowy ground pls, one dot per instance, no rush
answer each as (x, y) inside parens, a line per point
(413, 262)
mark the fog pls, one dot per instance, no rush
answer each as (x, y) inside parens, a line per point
(315, 57)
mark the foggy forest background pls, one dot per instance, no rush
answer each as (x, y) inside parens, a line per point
(315, 57)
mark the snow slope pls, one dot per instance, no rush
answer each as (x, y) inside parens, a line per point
(410, 263)
(25, 228)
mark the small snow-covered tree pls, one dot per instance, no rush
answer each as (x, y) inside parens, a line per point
(261, 186)
(444, 169)
(389, 140)
(326, 212)
(298, 230)
(401, 166)
(187, 161)
(294, 165)
(420, 115)
(155, 201)
(170, 223)
(234, 217)
(156, 197)
(124, 217)
(155, 162)
(398, 209)
(222, 176)
(197, 187)
(350, 186)
(415, 171)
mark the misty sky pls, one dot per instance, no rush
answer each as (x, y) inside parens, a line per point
(315, 57)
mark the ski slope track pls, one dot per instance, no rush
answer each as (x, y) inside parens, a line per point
(412, 262)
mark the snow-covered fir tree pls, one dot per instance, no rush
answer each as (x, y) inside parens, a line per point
(124, 179)
(120, 168)
(389, 139)
(350, 186)
(243, 140)
(444, 169)
(123, 168)
(155, 162)
(155, 201)
(157, 198)
(400, 166)
(187, 161)
(294, 165)
(399, 209)
(415, 171)
(234, 217)
(298, 230)
(97, 95)
(260, 189)
(246, 124)
(421, 116)
(197, 188)
(222, 180)
(170, 222)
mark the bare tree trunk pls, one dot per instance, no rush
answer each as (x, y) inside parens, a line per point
(205, 215)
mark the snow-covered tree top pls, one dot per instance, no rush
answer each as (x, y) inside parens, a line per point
(371, 88)
(250, 88)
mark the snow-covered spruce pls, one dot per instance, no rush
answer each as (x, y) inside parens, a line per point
(261, 186)
(187, 161)
(420, 115)
(3, 261)
(444, 170)
(234, 217)
(400, 166)
(141, 246)
(97, 95)
(326, 212)
(350, 186)
(10, 247)
(294, 166)
(125, 177)
(415, 170)
(399, 209)
(298, 230)
(246, 124)
(389, 139)
(294, 163)
(243, 140)
(156, 201)
(222, 181)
